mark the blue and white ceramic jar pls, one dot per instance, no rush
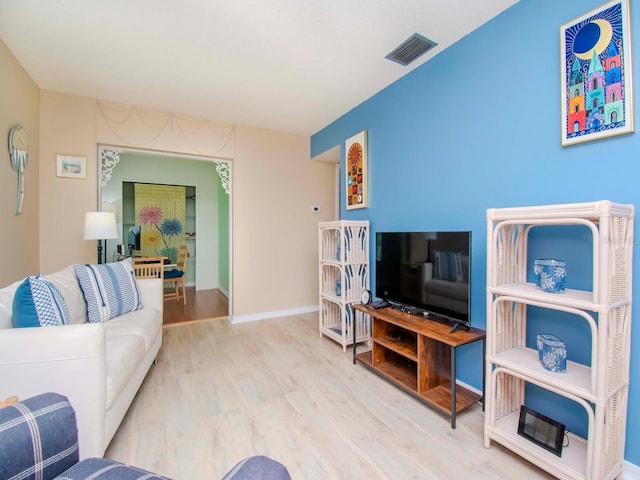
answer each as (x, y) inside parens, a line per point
(551, 274)
(552, 353)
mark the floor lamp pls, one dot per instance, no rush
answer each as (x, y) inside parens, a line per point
(99, 226)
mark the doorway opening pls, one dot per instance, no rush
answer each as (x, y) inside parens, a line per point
(208, 222)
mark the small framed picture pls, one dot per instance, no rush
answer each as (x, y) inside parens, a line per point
(71, 167)
(541, 430)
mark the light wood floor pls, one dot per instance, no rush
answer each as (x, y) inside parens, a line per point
(221, 392)
(201, 304)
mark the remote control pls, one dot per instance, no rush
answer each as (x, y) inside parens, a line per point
(380, 304)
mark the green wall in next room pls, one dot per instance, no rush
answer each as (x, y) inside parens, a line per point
(224, 253)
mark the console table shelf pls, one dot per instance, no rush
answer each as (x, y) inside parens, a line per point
(419, 356)
(407, 350)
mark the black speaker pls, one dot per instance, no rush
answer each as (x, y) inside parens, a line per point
(120, 249)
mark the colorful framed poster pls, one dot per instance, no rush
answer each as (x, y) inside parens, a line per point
(356, 171)
(597, 86)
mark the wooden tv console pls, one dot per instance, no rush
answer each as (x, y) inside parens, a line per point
(419, 356)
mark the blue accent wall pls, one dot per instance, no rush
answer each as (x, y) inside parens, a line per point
(476, 127)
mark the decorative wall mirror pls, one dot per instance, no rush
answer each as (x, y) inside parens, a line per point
(19, 152)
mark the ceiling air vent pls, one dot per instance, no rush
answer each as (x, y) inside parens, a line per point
(411, 49)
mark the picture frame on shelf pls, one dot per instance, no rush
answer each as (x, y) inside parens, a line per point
(356, 181)
(68, 166)
(596, 74)
(541, 430)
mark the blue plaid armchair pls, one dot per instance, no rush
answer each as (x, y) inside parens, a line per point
(39, 441)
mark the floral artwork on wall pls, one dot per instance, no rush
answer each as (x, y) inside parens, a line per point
(160, 212)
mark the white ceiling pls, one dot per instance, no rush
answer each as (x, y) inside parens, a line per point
(289, 65)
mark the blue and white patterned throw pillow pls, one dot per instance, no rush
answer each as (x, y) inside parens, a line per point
(38, 303)
(109, 289)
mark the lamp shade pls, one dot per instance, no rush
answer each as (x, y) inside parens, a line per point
(100, 225)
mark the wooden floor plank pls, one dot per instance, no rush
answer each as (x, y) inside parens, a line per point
(222, 392)
(201, 304)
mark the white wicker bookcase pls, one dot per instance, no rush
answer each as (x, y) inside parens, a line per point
(344, 274)
(602, 388)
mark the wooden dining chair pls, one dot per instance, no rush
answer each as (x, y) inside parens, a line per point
(175, 279)
(148, 267)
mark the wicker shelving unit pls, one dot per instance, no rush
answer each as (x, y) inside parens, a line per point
(601, 388)
(344, 274)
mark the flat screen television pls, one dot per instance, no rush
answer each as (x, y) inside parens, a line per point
(426, 272)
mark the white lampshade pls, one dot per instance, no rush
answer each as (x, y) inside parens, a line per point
(100, 225)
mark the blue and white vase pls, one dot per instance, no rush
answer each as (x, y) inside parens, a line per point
(552, 353)
(551, 274)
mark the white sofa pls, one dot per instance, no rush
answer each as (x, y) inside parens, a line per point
(98, 366)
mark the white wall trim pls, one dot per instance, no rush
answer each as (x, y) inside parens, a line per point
(468, 387)
(279, 313)
(631, 471)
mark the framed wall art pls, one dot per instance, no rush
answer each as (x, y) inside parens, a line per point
(596, 77)
(356, 193)
(71, 167)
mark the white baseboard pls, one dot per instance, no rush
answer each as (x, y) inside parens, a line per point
(469, 387)
(222, 290)
(631, 471)
(279, 313)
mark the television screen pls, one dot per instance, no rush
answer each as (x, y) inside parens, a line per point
(133, 239)
(427, 271)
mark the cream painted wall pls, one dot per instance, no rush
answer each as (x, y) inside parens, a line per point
(275, 234)
(274, 238)
(19, 105)
(67, 126)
